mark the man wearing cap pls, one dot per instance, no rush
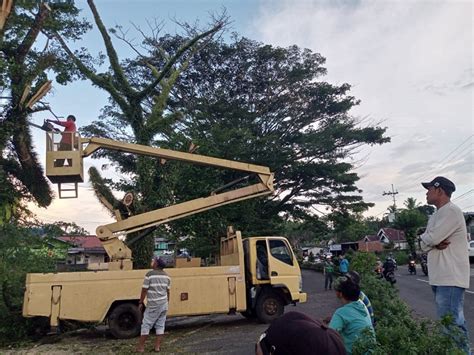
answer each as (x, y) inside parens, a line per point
(156, 289)
(445, 240)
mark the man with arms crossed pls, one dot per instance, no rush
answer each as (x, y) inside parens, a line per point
(445, 240)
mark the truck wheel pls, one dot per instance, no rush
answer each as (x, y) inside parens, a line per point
(269, 307)
(125, 321)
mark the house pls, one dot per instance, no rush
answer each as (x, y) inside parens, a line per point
(311, 250)
(85, 251)
(393, 236)
(342, 248)
(163, 246)
(370, 243)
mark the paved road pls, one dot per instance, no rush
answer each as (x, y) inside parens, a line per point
(415, 290)
(235, 335)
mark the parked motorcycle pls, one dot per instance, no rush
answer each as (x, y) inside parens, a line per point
(412, 267)
(424, 264)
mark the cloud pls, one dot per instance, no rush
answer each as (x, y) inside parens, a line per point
(410, 63)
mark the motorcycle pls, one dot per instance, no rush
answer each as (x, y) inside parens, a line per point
(424, 264)
(390, 277)
(412, 267)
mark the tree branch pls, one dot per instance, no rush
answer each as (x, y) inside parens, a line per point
(179, 53)
(32, 34)
(111, 53)
(101, 81)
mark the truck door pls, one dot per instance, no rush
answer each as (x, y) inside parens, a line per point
(283, 267)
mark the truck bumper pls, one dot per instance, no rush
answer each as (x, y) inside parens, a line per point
(303, 297)
(299, 297)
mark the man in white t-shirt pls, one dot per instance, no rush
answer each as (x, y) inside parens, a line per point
(445, 240)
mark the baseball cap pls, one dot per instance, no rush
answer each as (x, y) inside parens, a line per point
(296, 333)
(440, 181)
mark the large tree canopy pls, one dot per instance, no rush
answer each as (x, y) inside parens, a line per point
(26, 56)
(255, 103)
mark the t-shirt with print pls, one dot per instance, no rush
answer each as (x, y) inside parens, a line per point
(157, 283)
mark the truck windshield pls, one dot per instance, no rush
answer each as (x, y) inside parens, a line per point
(280, 251)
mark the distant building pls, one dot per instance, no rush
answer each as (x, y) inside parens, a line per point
(85, 250)
(370, 243)
(163, 246)
(393, 236)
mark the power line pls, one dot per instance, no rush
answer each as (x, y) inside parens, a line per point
(466, 193)
(441, 162)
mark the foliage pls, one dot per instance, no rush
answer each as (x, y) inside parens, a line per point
(237, 101)
(409, 220)
(58, 229)
(397, 331)
(307, 232)
(26, 58)
(20, 252)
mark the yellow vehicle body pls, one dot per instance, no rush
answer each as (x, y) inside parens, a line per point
(232, 286)
(255, 284)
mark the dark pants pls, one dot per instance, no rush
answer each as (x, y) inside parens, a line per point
(328, 281)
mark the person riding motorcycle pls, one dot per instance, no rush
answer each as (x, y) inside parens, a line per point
(388, 266)
(412, 263)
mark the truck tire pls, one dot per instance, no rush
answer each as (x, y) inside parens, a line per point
(269, 307)
(125, 321)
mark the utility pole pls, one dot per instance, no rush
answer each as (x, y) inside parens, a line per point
(392, 193)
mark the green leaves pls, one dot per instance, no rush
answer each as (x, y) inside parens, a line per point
(398, 331)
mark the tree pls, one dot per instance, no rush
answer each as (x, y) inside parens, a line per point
(139, 112)
(252, 102)
(58, 229)
(23, 79)
(409, 220)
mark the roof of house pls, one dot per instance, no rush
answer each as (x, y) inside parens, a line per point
(394, 235)
(371, 238)
(82, 241)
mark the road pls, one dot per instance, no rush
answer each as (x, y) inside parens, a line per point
(234, 335)
(415, 290)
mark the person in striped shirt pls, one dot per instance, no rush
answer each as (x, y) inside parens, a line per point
(156, 289)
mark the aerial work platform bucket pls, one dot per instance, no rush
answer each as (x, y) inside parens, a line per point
(64, 162)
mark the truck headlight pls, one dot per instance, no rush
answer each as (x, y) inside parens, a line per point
(301, 283)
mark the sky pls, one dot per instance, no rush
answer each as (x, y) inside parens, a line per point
(409, 62)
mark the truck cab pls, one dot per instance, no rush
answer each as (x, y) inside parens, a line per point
(273, 277)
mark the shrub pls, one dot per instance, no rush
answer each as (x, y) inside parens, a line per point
(20, 253)
(397, 331)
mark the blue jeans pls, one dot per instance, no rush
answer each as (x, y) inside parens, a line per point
(450, 301)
